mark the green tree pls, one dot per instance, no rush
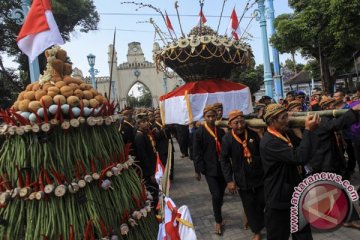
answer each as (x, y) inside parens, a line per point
(69, 15)
(327, 30)
(253, 77)
(290, 64)
(313, 67)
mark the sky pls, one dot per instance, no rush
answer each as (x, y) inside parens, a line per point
(129, 28)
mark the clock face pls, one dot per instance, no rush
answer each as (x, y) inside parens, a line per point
(134, 49)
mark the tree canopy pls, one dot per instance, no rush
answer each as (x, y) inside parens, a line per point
(251, 77)
(70, 16)
(326, 30)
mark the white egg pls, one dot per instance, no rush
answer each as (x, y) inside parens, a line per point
(76, 111)
(53, 109)
(40, 112)
(87, 111)
(32, 117)
(25, 115)
(65, 108)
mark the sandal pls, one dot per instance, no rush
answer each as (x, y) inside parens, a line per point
(219, 227)
(353, 224)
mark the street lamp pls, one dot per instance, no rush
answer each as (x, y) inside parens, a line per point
(260, 16)
(92, 71)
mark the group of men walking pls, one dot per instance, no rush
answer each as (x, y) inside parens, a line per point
(264, 165)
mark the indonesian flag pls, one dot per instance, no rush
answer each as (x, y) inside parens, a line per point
(234, 25)
(39, 30)
(159, 170)
(202, 18)
(168, 23)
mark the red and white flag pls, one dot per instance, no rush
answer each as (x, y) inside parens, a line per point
(202, 18)
(39, 30)
(168, 23)
(234, 25)
(159, 170)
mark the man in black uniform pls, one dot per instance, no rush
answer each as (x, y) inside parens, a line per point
(281, 170)
(127, 129)
(145, 152)
(162, 136)
(219, 111)
(207, 150)
(240, 160)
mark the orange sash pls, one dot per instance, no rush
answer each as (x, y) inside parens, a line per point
(247, 153)
(279, 135)
(214, 135)
(152, 140)
(285, 139)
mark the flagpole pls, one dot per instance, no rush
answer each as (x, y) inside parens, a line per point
(19, 16)
(112, 64)
(178, 16)
(201, 13)
(222, 10)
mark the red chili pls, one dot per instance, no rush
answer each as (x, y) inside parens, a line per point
(83, 169)
(47, 178)
(103, 228)
(92, 166)
(71, 114)
(92, 112)
(28, 177)
(21, 119)
(125, 215)
(56, 175)
(81, 108)
(71, 233)
(103, 172)
(41, 181)
(46, 118)
(137, 202)
(2, 189)
(20, 177)
(88, 229)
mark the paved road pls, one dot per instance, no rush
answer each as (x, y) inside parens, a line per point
(187, 191)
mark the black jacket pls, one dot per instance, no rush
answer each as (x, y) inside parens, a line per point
(162, 137)
(326, 155)
(234, 164)
(206, 159)
(127, 132)
(145, 154)
(280, 163)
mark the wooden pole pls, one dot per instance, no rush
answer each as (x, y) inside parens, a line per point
(112, 63)
(296, 120)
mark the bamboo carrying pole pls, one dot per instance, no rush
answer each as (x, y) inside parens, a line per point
(297, 119)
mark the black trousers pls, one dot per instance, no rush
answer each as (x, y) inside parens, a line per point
(277, 223)
(356, 148)
(254, 207)
(183, 138)
(217, 186)
(351, 155)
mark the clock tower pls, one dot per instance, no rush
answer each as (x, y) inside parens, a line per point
(135, 53)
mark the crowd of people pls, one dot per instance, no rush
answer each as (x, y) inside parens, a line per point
(262, 165)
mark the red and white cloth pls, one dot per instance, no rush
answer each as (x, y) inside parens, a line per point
(186, 103)
(159, 170)
(234, 25)
(39, 30)
(168, 23)
(202, 19)
(176, 221)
